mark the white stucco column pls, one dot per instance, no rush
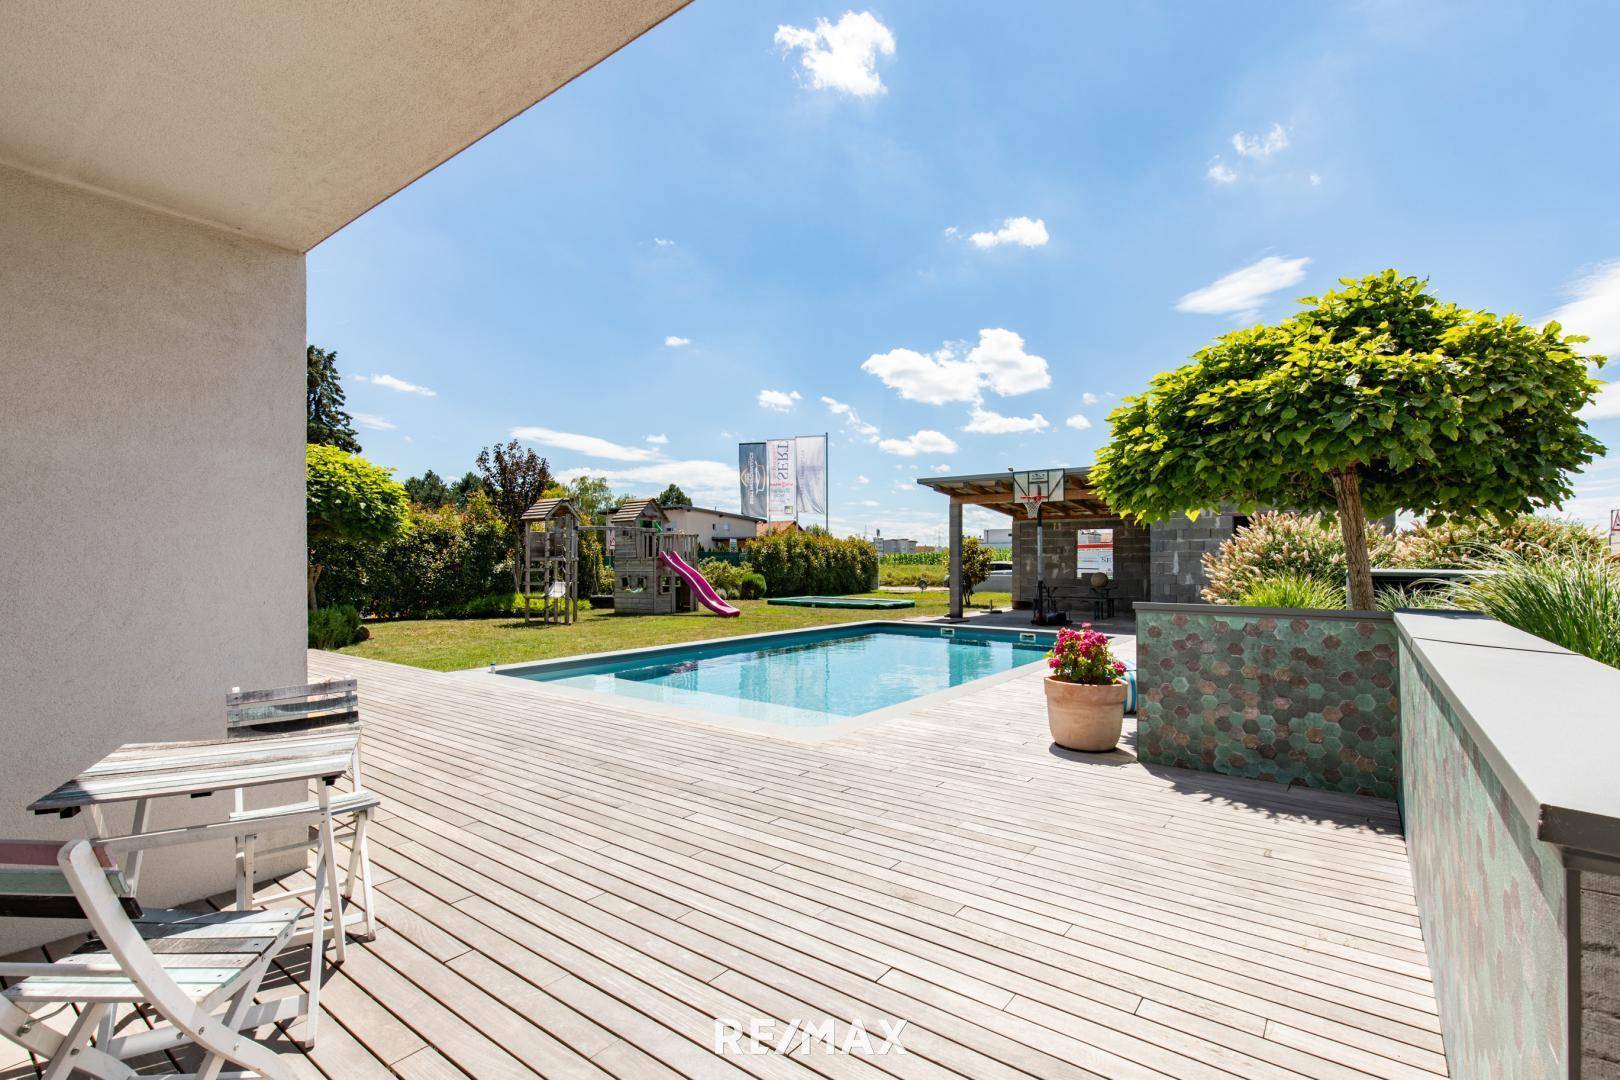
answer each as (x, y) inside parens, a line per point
(151, 494)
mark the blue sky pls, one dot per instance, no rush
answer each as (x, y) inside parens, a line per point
(968, 227)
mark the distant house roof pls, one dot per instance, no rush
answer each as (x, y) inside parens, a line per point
(546, 509)
(994, 491)
(781, 526)
(722, 513)
(632, 512)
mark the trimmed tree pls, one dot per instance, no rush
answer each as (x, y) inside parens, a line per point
(514, 479)
(976, 560)
(1374, 398)
(348, 498)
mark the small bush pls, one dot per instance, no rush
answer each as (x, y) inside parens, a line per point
(1460, 542)
(1273, 544)
(753, 586)
(333, 627)
(1569, 600)
(1292, 591)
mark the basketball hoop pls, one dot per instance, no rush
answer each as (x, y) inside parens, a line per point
(1034, 489)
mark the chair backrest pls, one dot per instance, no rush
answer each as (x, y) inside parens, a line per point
(292, 708)
(33, 885)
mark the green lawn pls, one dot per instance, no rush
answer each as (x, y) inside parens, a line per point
(449, 644)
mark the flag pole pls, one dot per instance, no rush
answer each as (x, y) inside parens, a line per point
(826, 478)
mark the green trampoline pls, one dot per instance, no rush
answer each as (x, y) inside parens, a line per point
(867, 603)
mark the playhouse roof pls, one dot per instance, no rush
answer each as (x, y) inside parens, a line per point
(632, 512)
(546, 509)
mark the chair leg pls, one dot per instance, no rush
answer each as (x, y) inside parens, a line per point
(362, 844)
(231, 1019)
(66, 1058)
(333, 887)
(317, 947)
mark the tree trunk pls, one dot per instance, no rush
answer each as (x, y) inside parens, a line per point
(314, 575)
(1353, 523)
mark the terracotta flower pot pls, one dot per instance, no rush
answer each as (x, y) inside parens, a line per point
(1085, 717)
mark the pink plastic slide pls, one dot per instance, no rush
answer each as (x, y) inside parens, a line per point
(699, 585)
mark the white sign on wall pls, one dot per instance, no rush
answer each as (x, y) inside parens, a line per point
(782, 480)
(1094, 552)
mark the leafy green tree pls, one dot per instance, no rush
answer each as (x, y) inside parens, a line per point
(591, 496)
(428, 491)
(976, 560)
(1374, 398)
(673, 496)
(463, 489)
(329, 424)
(349, 498)
(514, 478)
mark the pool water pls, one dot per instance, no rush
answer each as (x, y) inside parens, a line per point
(805, 679)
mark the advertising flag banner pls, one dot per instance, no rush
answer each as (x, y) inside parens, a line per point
(752, 471)
(812, 474)
(781, 481)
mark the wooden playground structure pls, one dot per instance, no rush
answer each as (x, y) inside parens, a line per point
(651, 565)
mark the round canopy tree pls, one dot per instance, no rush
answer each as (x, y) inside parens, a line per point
(346, 497)
(1375, 398)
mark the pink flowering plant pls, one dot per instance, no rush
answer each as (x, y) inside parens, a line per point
(1084, 656)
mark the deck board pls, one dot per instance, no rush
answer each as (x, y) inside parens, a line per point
(578, 887)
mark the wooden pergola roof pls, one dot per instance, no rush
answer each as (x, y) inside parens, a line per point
(994, 491)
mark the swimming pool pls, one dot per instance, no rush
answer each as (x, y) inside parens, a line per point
(803, 679)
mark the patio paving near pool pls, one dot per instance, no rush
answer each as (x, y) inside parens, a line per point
(573, 889)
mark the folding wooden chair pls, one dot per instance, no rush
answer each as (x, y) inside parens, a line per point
(326, 706)
(198, 972)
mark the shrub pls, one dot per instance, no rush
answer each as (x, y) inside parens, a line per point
(725, 576)
(1304, 545)
(1568, 600)
(1290, 590)
(1459, 542)
(446, 559)
(333, 627)
(753, 587)
(805, 563)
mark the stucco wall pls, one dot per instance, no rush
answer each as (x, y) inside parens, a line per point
(151, 491)
(1290, 697)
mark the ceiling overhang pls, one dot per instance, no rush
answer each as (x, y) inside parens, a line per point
(282, 121)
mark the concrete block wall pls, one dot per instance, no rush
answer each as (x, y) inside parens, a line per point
(1600, 977)
(1178, 547)
(1131, 557)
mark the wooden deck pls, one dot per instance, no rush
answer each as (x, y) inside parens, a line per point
(573, 890)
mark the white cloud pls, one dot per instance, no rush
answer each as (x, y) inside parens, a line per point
(1261, 146)
(1089, 398)
(589, 445)
(710, 483)
(1316, 180)
(843, 55)
(852, 419)
(1242, 291)
(373, 421)
(985, 422)
(868, 503)
(922, 442)
(407, 438)
(1078, 422)
(661, 242)
(658, 440)
(1595, 309)
(1023, 231)
(1606, 406)
(861, 481)
(401, 385)
(673, 342)
(950, 230)
(357, 377)
(942, 468)
(997, 363)
(777, 400)
(1219, 173)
